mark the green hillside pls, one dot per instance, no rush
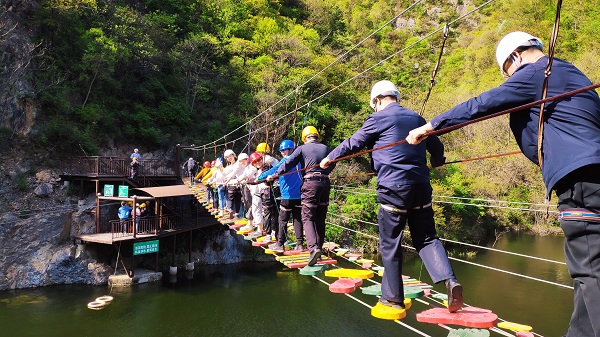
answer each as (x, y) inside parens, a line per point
(162, 72)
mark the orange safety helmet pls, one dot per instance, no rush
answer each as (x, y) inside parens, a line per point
(254, 157)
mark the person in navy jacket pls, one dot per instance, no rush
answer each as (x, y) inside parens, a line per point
(289, 186)
(570, 155)
(404, 192)
(314, 192)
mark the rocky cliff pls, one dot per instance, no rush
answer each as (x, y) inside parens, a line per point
(18, 108)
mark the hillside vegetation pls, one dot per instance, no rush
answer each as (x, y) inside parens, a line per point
(162, 72)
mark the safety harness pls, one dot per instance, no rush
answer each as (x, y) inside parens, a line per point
(393, 209)
(579, 214)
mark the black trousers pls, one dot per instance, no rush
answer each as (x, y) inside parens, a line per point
(422, 231)
(234, 202)
(269, 212)
(315, 200)
(581, 190)
(290, 208)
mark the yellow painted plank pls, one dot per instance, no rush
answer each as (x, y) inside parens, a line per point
(350, 273)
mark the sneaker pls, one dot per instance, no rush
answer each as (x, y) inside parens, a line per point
(315, 254)
(299, 247)
(246, 228)
(267, 238)
(277, 248)
(455, 298)
(391, 304)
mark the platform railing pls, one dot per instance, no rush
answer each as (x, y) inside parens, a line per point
(119, 166)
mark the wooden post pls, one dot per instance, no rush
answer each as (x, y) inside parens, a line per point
(174, 249)
(176, 161)
(134, 217)
(98, 213)
(190, 248)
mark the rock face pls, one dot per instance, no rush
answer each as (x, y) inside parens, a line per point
(17, 97)
(37, 250)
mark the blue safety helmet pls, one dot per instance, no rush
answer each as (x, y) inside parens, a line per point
(286, 145)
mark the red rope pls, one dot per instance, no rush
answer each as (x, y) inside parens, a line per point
(458, 126)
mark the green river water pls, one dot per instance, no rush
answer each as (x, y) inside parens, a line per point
(265, 299)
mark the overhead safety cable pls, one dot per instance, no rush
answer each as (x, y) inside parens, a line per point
(297, 89)
(545, 86)
(435, 69)
(385, 59)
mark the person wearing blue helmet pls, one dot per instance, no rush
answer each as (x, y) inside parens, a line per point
(290, 205)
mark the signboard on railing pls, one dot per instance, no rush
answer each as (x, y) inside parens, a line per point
(109, 190)
(123, 191)
(145, 247)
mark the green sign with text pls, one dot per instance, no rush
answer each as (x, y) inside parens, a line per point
(123, 191)
(145, 247)
(109, 190)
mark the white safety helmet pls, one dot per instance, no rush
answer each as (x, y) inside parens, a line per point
(383, 88)
(242, 156)
(228, 153)
(511, 42)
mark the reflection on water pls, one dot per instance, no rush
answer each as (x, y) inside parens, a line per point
(258, 299)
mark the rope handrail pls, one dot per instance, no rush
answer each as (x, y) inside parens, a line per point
(467, 244)
(475, 264)
(458, 126)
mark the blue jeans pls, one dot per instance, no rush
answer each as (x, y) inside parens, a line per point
(222, 191)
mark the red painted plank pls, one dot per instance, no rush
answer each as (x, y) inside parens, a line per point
(471, 317)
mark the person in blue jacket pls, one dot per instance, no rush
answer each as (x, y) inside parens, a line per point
(570, 155)
(289, 186)
(124, 213)
(403, 191)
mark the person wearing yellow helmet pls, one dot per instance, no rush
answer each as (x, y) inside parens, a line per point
(314, 192)
(263, 149)
(309, 131)
(134, 168)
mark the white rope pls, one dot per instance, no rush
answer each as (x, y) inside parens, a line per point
(475, 264)
(504, 251)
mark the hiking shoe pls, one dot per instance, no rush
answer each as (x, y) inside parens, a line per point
(277, 248)
(455, 298)
(315, 254)
(391, 304)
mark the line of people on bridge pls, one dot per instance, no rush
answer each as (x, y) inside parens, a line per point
(571, 162)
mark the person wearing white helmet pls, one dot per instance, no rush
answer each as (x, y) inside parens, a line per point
(190, 167)
(232, 171)
(403, 191)
(570, 154)
(252, 203)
